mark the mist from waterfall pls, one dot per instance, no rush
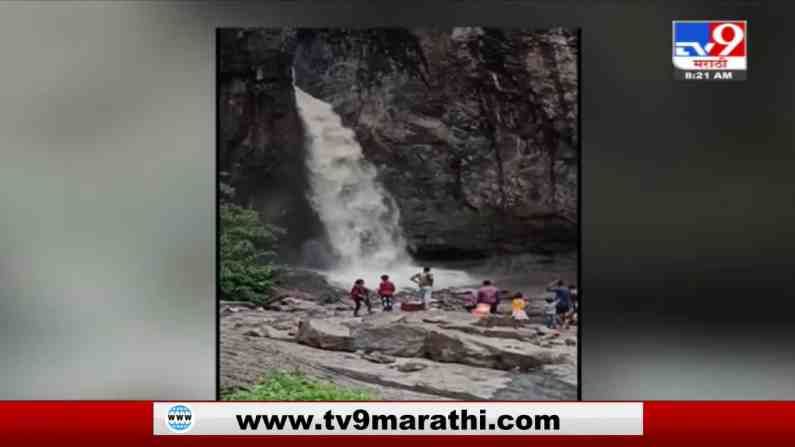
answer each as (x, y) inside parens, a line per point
(360, 216)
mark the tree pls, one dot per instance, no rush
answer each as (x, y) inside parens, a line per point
(246, 251)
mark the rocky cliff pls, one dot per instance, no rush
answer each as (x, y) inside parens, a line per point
(260, 135)
(473, 130)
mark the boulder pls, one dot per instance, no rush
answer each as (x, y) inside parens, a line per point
(325, 334)
(398, 339)
(446, 347)
(496, 353)
(399, 336)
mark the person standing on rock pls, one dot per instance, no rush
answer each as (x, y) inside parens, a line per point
(575, 304)
(360, 293)
(550, 312)
(424, 280)
(490, 295)
(575, 301)
(386, 290)
(563, 298)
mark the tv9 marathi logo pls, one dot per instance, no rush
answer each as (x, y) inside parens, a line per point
(179, 419)
(710, 50)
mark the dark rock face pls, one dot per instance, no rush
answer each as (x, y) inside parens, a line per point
(474, 132)
(261, 152)
(478, 144)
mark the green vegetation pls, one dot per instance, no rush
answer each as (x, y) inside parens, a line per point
(282, 385)
(246, 251)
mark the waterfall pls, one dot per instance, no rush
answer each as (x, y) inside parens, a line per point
(360, 216)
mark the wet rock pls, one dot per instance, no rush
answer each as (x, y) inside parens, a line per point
(498, 320)
(237, 304)
(282, 325)
(278, 334)
(437, 320)
(308, 285)
(254, 333)
(563, 372)
(377, 357)
(411, 367)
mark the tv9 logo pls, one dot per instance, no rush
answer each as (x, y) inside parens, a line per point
(710, 50)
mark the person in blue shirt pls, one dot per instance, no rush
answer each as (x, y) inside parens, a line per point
(563, 298)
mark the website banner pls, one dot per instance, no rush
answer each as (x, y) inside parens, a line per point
(398, 418)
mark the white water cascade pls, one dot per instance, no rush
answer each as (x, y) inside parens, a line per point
(361, 218)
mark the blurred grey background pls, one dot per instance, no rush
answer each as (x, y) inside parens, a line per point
(108, 162)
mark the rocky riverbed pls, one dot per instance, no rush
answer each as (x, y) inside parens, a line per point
(439, 353)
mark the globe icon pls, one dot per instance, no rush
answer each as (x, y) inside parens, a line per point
(179, 418)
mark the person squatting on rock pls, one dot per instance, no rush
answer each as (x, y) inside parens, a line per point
(490, 295)
(360, 293)
(386, 290)
(424, 280)
(563, 305)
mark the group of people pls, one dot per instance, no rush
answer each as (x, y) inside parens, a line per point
(487, 300)
(386, 291)
(361, 294)
(560, 310)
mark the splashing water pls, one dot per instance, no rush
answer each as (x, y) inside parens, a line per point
(361, 218)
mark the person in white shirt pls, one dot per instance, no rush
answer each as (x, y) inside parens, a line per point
(550, 312)
(424, 280)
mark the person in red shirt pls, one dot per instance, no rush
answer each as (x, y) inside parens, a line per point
(386, 290)
(360, 293)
